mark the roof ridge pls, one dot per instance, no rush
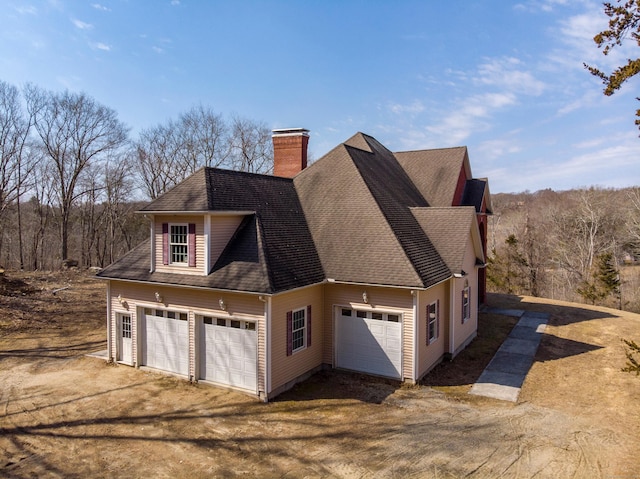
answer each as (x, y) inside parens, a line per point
(432, 149)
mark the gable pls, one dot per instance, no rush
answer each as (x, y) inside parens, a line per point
(436, 173)
(360, 218)
(353, 239)
(451, 230)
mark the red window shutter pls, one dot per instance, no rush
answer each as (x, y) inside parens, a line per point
(309, 326)
(289, 333)
(165, 243)
(191, 244)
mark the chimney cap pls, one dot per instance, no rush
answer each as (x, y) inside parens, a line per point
(290, 132)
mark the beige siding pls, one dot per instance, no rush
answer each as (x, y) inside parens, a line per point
(430, 355)
(466, 331)
(222, 229)
(385, 299)
(287, 368)
(200, 246)
(195, 302)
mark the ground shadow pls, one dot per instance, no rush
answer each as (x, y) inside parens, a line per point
(552, 348)
(560, 314)
(337, 384)
(54, 352)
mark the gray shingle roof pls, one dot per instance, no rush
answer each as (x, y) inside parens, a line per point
(357, 202)
(273, 253)
(434, 172)
(359, 214)
(448, 229)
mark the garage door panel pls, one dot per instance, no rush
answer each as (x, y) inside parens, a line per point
(369, 345)
(229, 356)
(166, 344)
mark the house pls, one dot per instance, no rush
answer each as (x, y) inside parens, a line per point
(366, 260)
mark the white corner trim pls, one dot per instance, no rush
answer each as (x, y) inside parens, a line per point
(207, 244)
(152, 266)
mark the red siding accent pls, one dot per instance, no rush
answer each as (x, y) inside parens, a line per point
(462, 181)
(191, 244)
(165, 243)
(289, 333)
(309, 326)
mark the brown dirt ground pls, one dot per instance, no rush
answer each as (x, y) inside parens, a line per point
(63, 414)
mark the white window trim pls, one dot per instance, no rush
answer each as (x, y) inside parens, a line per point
(186, 244)
(466, 305)
(303, 329)
(436, 321)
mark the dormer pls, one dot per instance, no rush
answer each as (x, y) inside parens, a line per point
(191, 243)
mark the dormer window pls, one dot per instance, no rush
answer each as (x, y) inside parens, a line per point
(179, 244)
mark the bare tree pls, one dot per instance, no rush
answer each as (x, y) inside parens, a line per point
(16, 162)
(75, 132)
(170, 152)
(203, 139)
(251, 146)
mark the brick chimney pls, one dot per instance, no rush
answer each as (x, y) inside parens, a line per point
(289, 151)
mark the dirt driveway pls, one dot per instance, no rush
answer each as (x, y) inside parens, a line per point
(63, 414)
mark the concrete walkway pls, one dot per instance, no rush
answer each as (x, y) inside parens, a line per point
(504, 375)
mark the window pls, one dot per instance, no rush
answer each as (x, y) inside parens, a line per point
(126, 327)
(433, 322)
(298, 330)
(163, 313)
(178, 247)
(466, 304)
(179, 244)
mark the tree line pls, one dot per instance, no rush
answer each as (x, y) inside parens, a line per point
(580, 245)
(71, 175)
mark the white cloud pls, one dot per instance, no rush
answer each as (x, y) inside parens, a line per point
(493, 149)
(101, 46)
(157, 49)
(507, 73)
(97, 6)
(469, 116)
(414, 107)
(613, 164)
(26, 10)
(175, 2)
(81, 25)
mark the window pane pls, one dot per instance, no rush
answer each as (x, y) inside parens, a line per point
(298, 329)
(361, 314)
(394, 318)
(346, 312)
(221, 322)
(235, 324)
(377, 316)
(250, 326)
(160, 313)
(208, 320)
(171, 314)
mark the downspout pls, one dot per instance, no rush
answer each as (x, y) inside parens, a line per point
(109, 356)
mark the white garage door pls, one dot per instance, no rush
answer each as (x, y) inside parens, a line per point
(369, 342)
(228, 352)
(166, 340)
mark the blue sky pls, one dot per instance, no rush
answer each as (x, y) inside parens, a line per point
(503, 78)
